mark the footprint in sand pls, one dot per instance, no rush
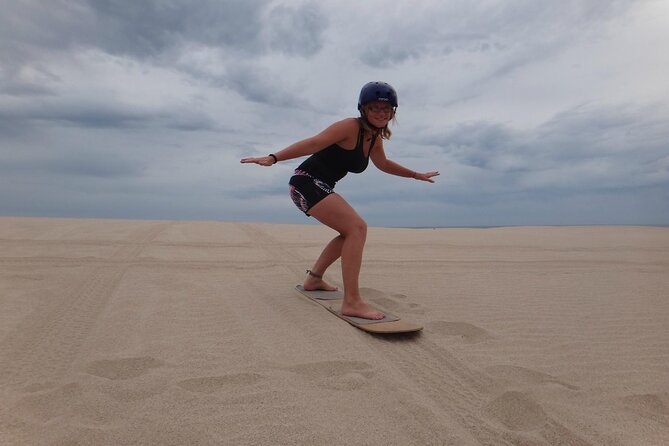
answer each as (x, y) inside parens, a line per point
(39, 387)
(653, 406)
(469, 333)
(124, 368)
(390, 302)
(26, 277)
(521, 375)
(44, 406)
(517, 411)
(336, 375)
(211, 384)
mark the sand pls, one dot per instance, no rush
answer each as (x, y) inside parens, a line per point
(190, 333)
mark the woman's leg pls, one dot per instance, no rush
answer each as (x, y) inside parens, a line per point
(335, 212)
(329, 255)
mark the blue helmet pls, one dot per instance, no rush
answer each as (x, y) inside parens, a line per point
(377, 91)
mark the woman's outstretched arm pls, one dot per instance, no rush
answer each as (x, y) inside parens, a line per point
(380, 160)
(336, 133)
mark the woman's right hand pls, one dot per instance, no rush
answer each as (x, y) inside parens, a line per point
(261, 160)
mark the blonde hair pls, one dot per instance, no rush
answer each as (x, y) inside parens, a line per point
(385, 132)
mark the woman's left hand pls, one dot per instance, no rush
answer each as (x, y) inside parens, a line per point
(426, 176)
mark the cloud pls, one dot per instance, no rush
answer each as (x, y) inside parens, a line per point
(218, 42)
(157, 30)
(152, 27)
(254, 85)
(295, 30)
(101, 115)
(143, 109)
(428, 29)
(29, 81)
(95, 164)
(62, 153)
(594, 148)
(141, 29)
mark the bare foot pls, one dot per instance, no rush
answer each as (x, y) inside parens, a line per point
(312, 283)
(362, 310)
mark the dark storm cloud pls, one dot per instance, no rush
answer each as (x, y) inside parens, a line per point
(143, 28)
(478, 144)
(487, 27)
(152, 28)
(590, 147)
(31, 26)
(295, 31)
(99, 114)
(93, 162)
(252, 83)
(157, 32)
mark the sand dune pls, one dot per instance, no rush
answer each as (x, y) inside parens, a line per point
(181, 333)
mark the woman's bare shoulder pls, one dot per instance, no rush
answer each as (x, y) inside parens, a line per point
(340, 131)
(346, 124)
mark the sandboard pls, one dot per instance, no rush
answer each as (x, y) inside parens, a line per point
(331, 301)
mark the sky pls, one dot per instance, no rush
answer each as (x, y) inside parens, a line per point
(535, 112)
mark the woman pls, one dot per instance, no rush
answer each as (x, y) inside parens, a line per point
(345, 146)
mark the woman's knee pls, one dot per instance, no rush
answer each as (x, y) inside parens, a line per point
(356, 228)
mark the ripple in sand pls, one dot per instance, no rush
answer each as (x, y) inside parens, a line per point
(124, 368)
(386, 303)
(346, 383)
(517, 411)
(522, 375)
(211, 384)
(336, 375)
(390, 302)
(326, 369)
(467, 332)
(649, 405)
(51, 404)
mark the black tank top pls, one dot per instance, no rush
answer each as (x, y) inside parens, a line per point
(333, 163)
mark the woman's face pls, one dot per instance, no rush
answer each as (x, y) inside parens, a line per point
(379, 113)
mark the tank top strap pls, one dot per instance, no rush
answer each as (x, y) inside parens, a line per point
(361, 136)
(361, 139)
(371, 145)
